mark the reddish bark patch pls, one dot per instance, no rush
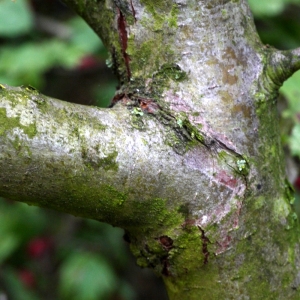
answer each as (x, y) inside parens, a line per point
(124, 40)
(224, 244)
(123, 98)
(116, 99)
(148, 105)
(166, 242)
(226, 179)
(188, 223)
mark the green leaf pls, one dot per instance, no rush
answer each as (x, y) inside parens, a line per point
(9, 243)
(15, 230)
(15, 18)
(84, 37)
(295, 140)
(266, 7)
(85, 276)
(104, 92)
(291, 91)
(27, 63)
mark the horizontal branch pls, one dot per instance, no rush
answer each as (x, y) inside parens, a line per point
(82, 160)
(106, 164)
(282, 65)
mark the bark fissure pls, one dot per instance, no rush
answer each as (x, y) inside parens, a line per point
(124, 40)
(167, 245)
(205, 243)
(133, 11)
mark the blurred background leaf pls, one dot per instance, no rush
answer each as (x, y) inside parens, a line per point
(15, 18)
(50, 255)
(86, 276)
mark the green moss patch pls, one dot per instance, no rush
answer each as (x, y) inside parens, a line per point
(7, 124)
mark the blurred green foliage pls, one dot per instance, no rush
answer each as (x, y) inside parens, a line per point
(34, 44)
(48, 255)
(269, 8)
(25, 61)
(86, 276)
(16, 18)
(291, 91)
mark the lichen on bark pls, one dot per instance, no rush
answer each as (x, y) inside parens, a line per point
(188, 159)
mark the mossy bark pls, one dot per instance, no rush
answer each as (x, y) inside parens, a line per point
(188, 160)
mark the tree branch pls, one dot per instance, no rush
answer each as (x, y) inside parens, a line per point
(83, 160)
(281, 65)
(296, 59)
(108, 164)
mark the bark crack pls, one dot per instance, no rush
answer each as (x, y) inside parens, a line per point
(124, 40)
(205, 242)
(167, 244)
(133, 10)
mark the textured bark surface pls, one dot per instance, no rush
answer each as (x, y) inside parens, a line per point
(188, 160)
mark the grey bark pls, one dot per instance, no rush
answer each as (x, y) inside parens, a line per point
(188, 161)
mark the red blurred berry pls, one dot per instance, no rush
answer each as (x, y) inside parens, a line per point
(38, 246)
(27, 278)
(297, 184)
(87, 62)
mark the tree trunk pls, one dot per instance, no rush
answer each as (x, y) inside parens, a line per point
(188, 160)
